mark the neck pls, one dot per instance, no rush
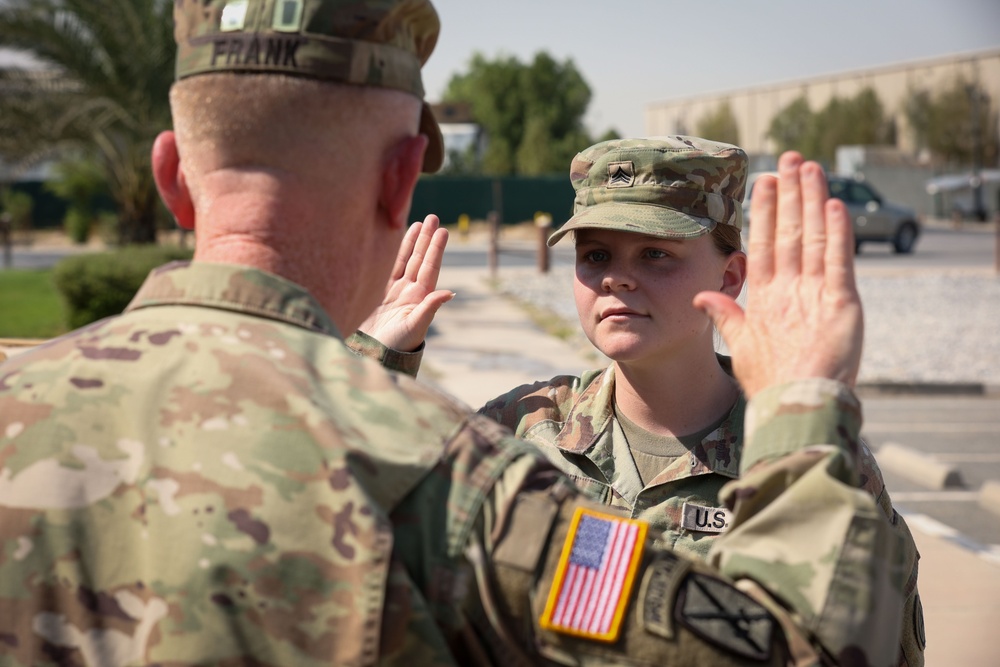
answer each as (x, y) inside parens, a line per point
(674, 397)
(260, 221)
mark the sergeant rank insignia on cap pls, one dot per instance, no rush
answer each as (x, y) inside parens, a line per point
(595, 575)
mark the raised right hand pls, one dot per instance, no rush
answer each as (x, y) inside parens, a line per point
(411, 296)
(803, 317)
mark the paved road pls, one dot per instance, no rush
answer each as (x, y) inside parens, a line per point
(940, 247)
(961, 431)
(27, 257)
(970, 248)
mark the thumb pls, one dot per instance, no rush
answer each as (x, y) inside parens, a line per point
(424, 312)
(725, 313)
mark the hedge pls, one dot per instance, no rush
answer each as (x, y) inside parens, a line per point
(96, 286)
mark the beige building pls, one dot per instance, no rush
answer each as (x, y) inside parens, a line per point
(755, 107)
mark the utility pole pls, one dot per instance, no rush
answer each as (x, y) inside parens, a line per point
(975, 98)
(5, 241)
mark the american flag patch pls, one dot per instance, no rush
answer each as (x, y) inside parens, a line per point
(595, 575)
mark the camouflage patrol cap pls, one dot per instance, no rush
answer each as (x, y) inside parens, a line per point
(672, 187)
(379, 43)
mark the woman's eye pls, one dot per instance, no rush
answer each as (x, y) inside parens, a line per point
(595, 256)
(653, 253)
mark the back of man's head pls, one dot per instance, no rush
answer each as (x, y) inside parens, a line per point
(369, 45)
(296, 146)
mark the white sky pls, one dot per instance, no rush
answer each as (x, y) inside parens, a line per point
(636, 52)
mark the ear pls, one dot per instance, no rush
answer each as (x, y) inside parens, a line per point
(400, 171)
(170, 180)
(735, 274)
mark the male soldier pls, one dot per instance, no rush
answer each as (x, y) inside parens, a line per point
(214, 478)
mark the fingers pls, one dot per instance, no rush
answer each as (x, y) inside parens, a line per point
(430, 267)
(423, 241)
(763, 210)
(405, 251)
(814, 235)
(840, 248)
(788, 227)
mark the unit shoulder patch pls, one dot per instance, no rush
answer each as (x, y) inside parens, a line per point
(658, 592)
(723, 615)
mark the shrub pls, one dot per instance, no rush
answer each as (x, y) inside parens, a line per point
(18, 205)
(77, 225)
(99, 285)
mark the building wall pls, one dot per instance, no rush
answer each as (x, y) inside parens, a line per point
(755, 107)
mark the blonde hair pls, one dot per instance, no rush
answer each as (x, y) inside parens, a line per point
(727, 239)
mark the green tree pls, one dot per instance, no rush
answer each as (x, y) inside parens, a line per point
(532, 113)
(791, 128)
(852, 121)
(19, 206)
(719, 125)
(958, 124)
(104, 73)
(79, 181)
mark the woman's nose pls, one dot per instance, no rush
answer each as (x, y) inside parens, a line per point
(617, 279)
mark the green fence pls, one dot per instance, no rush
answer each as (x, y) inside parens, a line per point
(47, 210)
(515, 198)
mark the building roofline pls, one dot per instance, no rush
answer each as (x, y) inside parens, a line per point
(853, 74)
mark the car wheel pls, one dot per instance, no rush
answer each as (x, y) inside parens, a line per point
(905, 239)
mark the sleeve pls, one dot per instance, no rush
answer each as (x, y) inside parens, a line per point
(803, 530)
(913, 638)
(810, 571)
(364, 345)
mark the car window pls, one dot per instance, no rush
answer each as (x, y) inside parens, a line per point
(860, 193)
(838, 190)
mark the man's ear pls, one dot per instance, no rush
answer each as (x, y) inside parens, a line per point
(400, 171)
(170, 179)
(735, 274)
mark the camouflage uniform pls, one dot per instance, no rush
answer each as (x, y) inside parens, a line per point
(213, 477)
(573, 422)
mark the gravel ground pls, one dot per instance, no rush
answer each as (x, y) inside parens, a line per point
(930, 328)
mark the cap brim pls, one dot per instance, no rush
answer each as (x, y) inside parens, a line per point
(648, 219)
(434, 156)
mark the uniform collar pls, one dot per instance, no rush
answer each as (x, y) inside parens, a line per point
(587, 431)
(233, 287)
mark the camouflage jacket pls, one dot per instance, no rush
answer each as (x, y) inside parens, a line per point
(213, 478)
(571, 419)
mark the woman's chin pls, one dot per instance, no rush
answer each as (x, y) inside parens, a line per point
(622, 351)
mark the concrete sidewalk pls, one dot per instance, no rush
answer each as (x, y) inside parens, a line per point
(482, 345)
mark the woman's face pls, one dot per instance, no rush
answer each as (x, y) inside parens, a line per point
(633, 292)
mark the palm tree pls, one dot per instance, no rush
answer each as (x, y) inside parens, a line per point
(104, 69)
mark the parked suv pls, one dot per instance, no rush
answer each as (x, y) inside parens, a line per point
(874, 218)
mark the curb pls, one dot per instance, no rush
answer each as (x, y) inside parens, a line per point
(989, 496)
(919, 467)
(925, 389)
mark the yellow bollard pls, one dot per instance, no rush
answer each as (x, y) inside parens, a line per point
(463, 225)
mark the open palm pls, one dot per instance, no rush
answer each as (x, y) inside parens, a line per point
(411, 297)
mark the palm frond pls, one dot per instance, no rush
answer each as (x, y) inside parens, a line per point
(108, 68)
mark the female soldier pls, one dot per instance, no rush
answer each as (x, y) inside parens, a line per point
(659, 431)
